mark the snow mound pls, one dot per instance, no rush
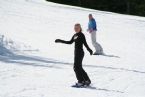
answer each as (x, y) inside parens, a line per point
(3, 49)
(8, 46)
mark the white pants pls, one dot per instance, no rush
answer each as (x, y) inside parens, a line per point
(97, 46)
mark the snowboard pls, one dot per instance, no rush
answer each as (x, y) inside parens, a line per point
(85, 86)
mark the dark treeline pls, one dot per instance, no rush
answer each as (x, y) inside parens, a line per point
(133, 7)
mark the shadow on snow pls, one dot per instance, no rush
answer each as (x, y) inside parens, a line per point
(49, 62)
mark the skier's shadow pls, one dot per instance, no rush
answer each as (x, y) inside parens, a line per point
(34, 61)
(111, 56)
(107, 55)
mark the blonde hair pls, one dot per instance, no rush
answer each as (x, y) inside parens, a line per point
(79, 25)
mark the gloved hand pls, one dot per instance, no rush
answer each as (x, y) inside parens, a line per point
(91, 52)
(57, 40)
(90, 30)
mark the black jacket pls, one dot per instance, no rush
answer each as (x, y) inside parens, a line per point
(79, 39)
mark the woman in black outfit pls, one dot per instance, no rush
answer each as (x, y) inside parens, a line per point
(79, 39)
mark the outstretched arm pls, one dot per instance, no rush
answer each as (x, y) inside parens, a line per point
(65, 42)
(86, 45)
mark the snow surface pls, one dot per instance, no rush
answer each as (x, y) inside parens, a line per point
(42, 68)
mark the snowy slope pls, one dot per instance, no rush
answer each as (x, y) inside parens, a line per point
(47, 71)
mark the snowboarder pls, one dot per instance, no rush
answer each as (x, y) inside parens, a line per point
(79, 39)
(92, 28)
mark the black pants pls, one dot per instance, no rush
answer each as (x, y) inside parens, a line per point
(81, 75)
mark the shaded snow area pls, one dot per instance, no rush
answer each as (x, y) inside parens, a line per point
(32, 65)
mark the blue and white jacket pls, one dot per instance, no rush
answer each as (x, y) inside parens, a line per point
(92, 25)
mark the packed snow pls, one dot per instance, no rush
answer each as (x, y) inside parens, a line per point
(32, 65)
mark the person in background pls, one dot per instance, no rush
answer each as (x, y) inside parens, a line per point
(79, 40)
(92, 29)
